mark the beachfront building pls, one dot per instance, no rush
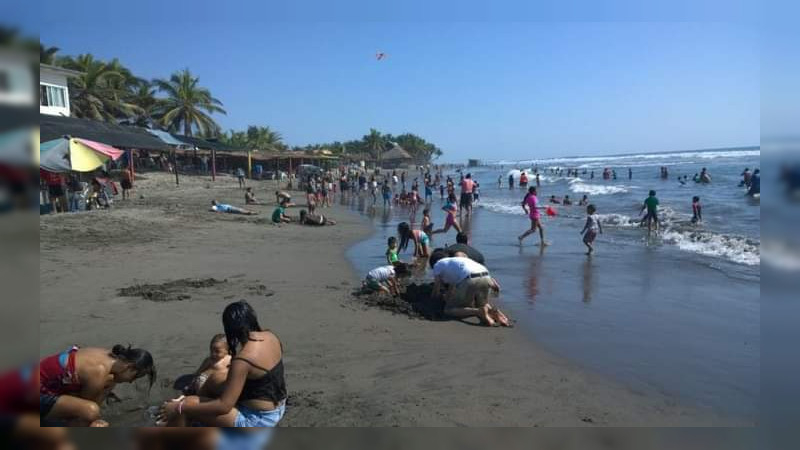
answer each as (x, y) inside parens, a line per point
(54, 90)
(396, 158)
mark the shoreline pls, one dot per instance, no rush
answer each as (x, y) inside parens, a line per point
(346, 364)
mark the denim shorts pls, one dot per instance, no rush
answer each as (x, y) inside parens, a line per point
(252, 418)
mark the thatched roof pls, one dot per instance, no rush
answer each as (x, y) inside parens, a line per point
(54, 127)
(396, 153)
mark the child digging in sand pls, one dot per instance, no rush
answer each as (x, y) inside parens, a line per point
(210, 376)
(384, 278)
(591, 229)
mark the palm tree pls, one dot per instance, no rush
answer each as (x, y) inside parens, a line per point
(95, 94)
(374, 143)
(187, 104)
(144, 96)
(47, 55)
(263, 138)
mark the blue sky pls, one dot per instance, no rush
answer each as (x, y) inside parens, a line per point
(490, 89)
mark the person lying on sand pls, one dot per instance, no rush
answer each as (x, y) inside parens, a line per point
(314, 219)
(384, 278)
(464, 285)
(254, 394)
(74, 383)
(209, 378)
(249, 197)
(225, 208)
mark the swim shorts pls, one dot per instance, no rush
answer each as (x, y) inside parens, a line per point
(263, 419)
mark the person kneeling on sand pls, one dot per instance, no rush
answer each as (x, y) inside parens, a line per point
(279, 215)
(225, 208)
(384, 278)
(314, 219)
(464, 285)
(249, 197)
(209, 379)
(74, 383)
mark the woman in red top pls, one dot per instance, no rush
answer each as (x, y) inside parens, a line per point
(75, 382)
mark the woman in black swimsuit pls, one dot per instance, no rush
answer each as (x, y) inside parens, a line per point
(254, 394)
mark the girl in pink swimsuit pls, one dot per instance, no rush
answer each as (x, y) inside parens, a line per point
(531, 208)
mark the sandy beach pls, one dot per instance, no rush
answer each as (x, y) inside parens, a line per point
(347, 364)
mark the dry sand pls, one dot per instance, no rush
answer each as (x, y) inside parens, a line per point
(347, 364)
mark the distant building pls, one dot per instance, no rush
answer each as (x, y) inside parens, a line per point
(473, 163)
(396, 158)
(53, 90)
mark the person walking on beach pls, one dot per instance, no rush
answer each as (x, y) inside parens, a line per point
(387, 195)
(73, 384)
(126, 183)
(651, 205)
(591, 229)
(511, 181)
(240, 177)
(467, 187)
(255, 391)
(464, 285)
(530, 204)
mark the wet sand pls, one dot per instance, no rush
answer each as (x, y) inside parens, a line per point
(347, 363)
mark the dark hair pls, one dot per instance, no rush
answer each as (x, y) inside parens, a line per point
(401, 269)
(532, 190)
(303, 215)
(436, 255)
(652, 193)
(141, 359)
(591, 209)
(462, 238)
(216, 338)
(404, 231)
(238, 320)
(695, 198)
(426, 211)
(391, 241)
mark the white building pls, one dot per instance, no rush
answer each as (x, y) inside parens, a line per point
(53, 90)
(17, 85)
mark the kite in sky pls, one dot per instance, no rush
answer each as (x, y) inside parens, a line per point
(380, 55)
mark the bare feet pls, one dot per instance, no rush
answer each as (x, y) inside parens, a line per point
(498, 316)
(486, 318)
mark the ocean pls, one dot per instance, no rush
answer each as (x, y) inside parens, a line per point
(677, 312)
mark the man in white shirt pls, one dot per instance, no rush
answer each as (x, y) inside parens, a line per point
(465, 286)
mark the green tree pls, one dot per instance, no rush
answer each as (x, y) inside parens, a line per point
(47, 55)
(374, 143)
(144, 97)
(188, 105)
(95, 93)
(264, 138)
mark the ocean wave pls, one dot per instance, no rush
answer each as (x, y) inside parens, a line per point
(733, 248)
(572, 161)
(502, 208)
(579, 187)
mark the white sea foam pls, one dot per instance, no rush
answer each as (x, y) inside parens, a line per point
(573, 161)
(618, 220)
(502, 208)
(577, 186)
(733, 248)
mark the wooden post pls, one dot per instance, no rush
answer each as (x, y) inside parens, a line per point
(249, 165)
(213, 165)
(175, 166)
(131, 165)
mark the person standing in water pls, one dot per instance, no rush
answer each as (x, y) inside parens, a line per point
(651, 205)
(530, 204)
(511, 181)
(630, 173)
(697, 210)
(591, 229)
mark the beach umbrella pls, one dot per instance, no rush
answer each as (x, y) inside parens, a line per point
(76, 154)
